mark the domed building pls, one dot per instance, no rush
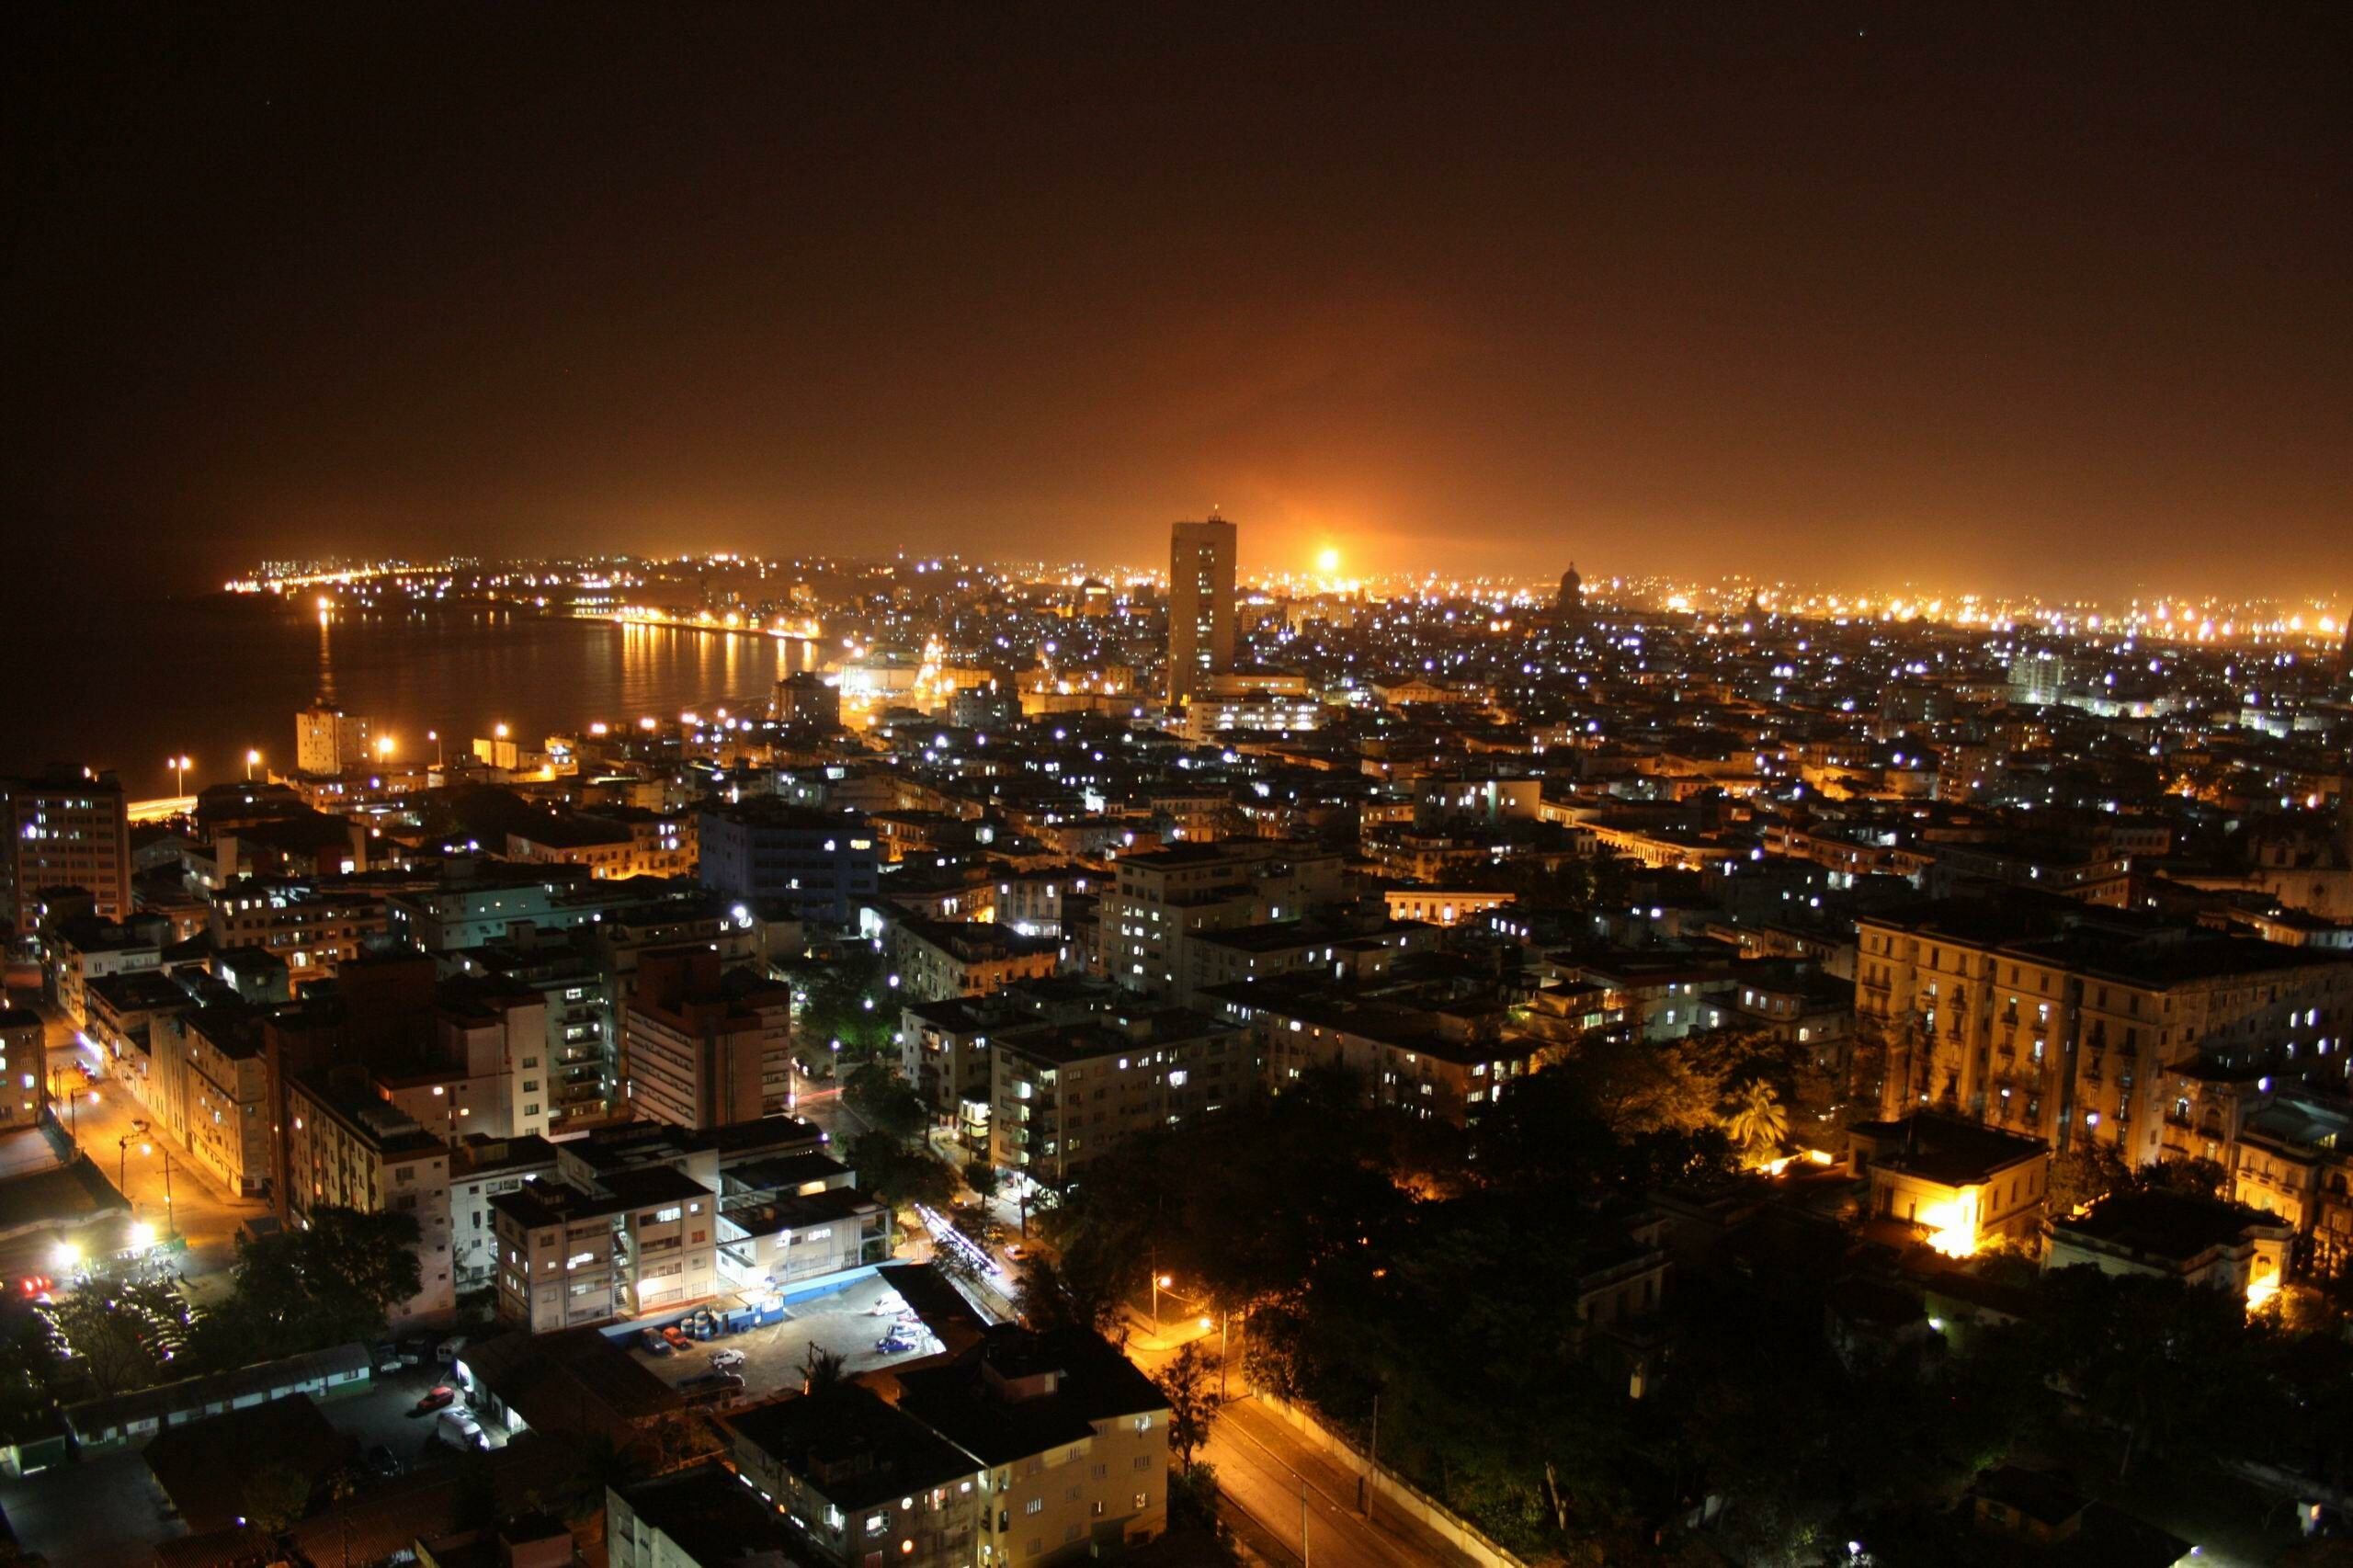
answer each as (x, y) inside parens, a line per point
(1570, 600)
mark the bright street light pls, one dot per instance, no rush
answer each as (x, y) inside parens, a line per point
(142, 1236)
(252, 760)
(67, 1257)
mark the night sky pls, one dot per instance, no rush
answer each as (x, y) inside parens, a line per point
(2054, 298)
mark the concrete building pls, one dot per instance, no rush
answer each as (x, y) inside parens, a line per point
(314, 927)
(327, 741)
(797, 1222)
(1412, 1048)
(1959, 1185)
(24, 1067)
(1063, 1094)
(66, 828)
(1074, 1440)
(347, 1148)
(631, 1240)
(2174, 1236)
(699, 1518)
(612, 845)
(806, 698)
(487, 1073)
(937, 959)
(208, 1084)
(1201, 606)
(84, 948)
(944, 1045)
(863, 1481)
(1163, 896)
(704, 1046)
(583, 1076)
(481, 1169)
(627, 1224)
(823, 863)
(2063, 1020)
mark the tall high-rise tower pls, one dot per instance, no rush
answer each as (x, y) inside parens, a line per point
(1200, 605)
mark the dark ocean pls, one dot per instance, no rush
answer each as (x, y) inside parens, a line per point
(129, 687)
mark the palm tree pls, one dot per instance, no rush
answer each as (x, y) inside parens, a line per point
(820, 1368)
(1759, 1122)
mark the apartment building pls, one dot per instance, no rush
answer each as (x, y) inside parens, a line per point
(704, 1046)
(24, 1067)
(1247, 953)
(68, 828)
(481, 1169)
(627, 1222)
(1417, 1048)
(86, 948)
(944, 1045)
(631, 1241)
(699, 1518)
(2065, 1021)
(863, 1480)
(821, 863)
(623, 842)
(582, 1083)
(347, 1148)
(1164, 897)
(935, 958)
(207, 1082)
(1062, 1093)
(1073, 1437)
(797, 1222)
(314, 927)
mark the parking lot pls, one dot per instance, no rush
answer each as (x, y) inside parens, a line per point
(846, 1322)
(386, 1414)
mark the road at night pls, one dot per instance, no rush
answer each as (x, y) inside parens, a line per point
(1262, 1466)
(189, 1200)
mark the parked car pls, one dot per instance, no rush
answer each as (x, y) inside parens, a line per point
(1014, 1252)
(460, 1429)
(726, 1360)
(653, 1342)
(386, 1356)
(895, 1342)
(381, 1461)
(440, 1398)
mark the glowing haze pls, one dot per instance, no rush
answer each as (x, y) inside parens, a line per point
(2025, 298)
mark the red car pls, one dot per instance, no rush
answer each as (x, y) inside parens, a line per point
(440, 1398)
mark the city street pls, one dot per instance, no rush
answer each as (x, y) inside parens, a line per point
(102, 1118)
(1262, 1466)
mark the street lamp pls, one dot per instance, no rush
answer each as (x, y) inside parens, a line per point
(384, 746)
(252, 760)
(435, 736)
(180, 764)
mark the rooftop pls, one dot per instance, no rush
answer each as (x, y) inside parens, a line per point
(1945, 1149)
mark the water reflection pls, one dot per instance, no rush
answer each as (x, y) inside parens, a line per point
(214, 682)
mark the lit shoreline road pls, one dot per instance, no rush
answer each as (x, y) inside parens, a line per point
(100, 1120)
(1261, 1465)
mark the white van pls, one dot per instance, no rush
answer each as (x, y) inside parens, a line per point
(458, 1428)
